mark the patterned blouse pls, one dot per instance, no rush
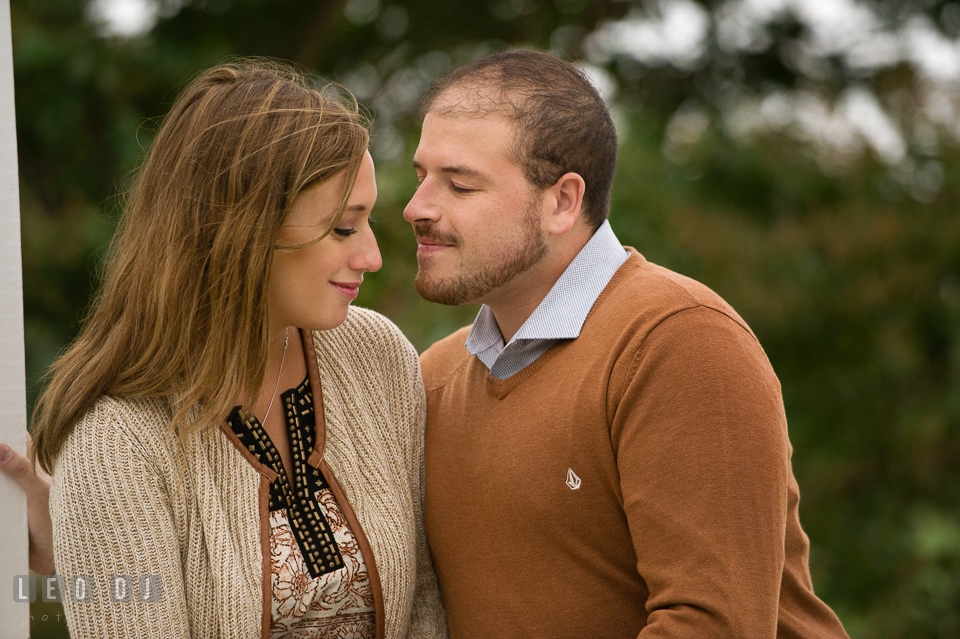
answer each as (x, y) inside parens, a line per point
(320, 583)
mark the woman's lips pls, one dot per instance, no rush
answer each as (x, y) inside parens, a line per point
(347, 289)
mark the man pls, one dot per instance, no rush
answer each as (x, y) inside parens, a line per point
(606, 447)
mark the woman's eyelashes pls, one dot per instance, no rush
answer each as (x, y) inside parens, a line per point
(347, 231)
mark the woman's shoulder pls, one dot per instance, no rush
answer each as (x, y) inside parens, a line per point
(137, 424)
(366, 322)
(140, 414)
(366, 337)
(368, 357)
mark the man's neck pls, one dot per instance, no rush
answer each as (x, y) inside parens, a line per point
(514, 302)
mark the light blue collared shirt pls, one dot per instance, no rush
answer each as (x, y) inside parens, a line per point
(560, 315)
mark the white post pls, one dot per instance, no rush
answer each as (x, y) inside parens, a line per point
(13, 407)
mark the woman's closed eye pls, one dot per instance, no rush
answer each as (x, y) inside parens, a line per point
(347, 231)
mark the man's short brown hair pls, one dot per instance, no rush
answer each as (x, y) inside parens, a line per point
(562, 123)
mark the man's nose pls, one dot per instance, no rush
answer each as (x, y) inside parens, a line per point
(422, 205)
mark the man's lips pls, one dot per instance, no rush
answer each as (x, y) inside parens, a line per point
(426, 241)
(428, 244)
(430, 239)
(349, 289)
(428, 247)
(431, 244)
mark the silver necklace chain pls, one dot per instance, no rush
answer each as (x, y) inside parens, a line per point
(286, 341)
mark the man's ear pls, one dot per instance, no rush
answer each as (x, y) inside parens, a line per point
(562, 203)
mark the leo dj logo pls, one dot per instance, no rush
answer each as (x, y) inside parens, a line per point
(83, 588)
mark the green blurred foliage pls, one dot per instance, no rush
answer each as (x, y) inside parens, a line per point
(849, 276)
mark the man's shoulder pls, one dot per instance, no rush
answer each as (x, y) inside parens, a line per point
(641, 287)
(443, 358)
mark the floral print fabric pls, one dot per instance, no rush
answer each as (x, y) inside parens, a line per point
(337, 604)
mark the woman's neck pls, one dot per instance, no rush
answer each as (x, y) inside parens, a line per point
(285, 369)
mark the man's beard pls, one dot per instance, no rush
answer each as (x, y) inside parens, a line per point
(468, 284)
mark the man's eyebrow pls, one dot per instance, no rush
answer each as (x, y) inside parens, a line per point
(456, 170)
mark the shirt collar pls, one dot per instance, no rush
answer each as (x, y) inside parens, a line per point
(561, 314)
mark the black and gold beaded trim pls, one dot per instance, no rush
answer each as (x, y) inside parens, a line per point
(309, 525)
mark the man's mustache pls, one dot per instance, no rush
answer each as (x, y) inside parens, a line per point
(428, 232)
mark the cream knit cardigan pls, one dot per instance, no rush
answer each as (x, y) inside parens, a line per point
(131, 498)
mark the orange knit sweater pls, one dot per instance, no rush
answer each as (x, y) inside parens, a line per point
(634, 481)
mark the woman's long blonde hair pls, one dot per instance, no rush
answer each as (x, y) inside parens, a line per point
(181, 312)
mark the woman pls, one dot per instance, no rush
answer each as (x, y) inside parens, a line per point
(225, 426)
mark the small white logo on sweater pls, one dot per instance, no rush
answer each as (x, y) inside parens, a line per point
(573, 482)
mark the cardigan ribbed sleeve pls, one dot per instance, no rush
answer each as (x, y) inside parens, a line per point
(112, 512)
